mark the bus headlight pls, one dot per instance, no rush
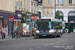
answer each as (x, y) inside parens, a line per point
(37, 31)
(51, 31)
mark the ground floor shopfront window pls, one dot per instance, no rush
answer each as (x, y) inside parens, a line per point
(0, 26)
(6, 25)
(14, 26)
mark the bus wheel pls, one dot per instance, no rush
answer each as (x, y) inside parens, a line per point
(36, 37)
(60, 35)
(54, 36)
(40, 36)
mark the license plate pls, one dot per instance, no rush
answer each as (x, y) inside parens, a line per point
(43, 35)
(42, 31)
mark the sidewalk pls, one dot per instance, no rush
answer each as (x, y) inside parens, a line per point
(10, 38)
(7, 38)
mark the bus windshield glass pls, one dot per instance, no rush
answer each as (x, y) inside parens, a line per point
(43, 25)
(56, 25)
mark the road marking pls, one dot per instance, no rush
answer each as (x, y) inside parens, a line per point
(46, 45)
(31, 49)
(52, 44)
(39, 47)
(57, 42)
(62, 41)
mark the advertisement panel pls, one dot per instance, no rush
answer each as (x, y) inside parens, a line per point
(25, 29)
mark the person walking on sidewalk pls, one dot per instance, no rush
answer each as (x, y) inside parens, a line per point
(2, 32)
(33, 30)
(5, 31)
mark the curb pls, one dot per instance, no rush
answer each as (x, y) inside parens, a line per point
(27, 38)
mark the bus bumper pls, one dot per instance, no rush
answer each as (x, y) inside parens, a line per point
(44, 34)
(48, 34)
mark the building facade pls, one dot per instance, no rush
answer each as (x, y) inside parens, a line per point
(17, 8)
(46, 7)
(66, 8)
(24, 9)
(7, 9)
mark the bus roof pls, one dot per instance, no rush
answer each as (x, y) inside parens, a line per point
(48, 20)
(69, 22)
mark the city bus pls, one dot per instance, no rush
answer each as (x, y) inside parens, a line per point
(70, 27)
(49, 27)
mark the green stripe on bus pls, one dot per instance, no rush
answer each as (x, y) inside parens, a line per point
(56, 21)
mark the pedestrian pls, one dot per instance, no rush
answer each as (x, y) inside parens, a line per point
(34, 33)
(12, 33)
(16, 32)
(2, 32)
(5, 31)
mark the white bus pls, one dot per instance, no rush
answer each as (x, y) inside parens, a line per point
(49, 28)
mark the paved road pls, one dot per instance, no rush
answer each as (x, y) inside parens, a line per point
(66, 42)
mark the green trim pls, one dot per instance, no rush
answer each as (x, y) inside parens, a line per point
(66, 28)
(56, 21)
(68, 22)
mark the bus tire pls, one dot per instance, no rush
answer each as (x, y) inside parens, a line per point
(36, 37)
(60, 35)
(54, 36)
(40, 36)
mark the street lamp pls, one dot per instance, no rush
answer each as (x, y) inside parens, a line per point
(55, 7)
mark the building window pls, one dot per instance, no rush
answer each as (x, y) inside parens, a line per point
(19, 8)
(27, 9)
(61, 1)
(34, 4)
(70, 1)
(15, 7)
(24, 8)
(71, 13)
(48, 1)
(18, 3)
(57, 1)
(73, 1)
(32, 11)
(31, 3)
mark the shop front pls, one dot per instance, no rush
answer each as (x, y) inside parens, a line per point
(4, 19)
(1, 18)
(30, 21)
(26, 25)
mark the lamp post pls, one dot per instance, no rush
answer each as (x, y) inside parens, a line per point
(55, 7)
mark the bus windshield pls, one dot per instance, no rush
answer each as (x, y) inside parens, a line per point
(43, 25)
(56, 25)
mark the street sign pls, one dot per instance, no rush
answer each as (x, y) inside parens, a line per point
(16, 17)
(32, 17)
(11, 18)
(28, 19)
